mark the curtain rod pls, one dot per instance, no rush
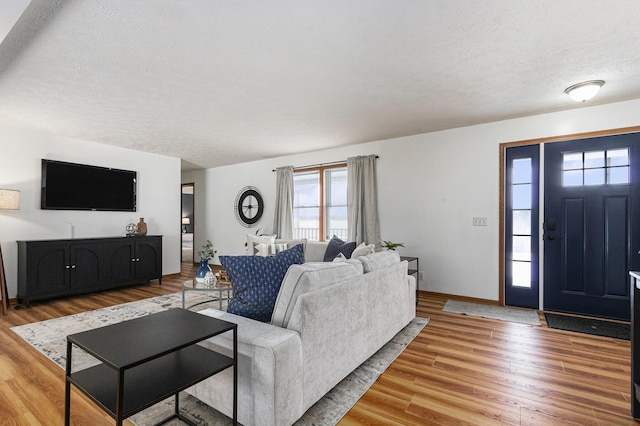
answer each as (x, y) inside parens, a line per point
(320, 165)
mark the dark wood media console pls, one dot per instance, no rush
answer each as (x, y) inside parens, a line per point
(56, 268)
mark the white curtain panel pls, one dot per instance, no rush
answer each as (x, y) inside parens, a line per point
(362, 196)
(283, 217)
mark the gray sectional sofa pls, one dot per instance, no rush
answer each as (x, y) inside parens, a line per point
(328, 319)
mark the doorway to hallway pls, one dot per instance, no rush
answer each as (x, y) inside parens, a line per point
(187, 222)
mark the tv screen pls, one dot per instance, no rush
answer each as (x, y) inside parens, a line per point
(69, 186)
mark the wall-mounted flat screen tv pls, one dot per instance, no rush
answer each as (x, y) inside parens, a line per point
(69, 186)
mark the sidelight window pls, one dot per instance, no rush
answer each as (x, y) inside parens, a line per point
(521, 205)
(521, 226)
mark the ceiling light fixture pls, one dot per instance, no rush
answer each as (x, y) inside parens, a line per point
(584, 91)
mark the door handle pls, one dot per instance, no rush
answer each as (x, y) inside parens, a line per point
(551, 238)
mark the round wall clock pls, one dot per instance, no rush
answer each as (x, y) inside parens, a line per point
(249, 206)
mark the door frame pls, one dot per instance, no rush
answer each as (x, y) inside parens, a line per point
(502, 191)
(193, 225)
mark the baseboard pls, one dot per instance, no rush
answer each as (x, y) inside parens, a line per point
(176, 275)
(425, 293)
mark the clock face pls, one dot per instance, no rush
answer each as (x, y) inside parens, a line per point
(249, 206)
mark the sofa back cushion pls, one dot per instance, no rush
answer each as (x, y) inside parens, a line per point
(291, 243)
(256, 281)
(379, 260)
(314, 251)
(301, 279)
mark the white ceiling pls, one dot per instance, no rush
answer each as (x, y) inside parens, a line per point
(222, 82)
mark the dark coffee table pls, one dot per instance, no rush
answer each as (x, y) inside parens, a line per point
(148, 359)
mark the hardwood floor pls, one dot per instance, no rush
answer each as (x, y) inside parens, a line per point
(460, 370)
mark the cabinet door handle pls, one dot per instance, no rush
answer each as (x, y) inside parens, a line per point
(138, 260)
(67, 267)
(73, 266)
(133, 260)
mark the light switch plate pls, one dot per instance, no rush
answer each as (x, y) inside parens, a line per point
(479, 221)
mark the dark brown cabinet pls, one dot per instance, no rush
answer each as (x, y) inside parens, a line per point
(55, 268)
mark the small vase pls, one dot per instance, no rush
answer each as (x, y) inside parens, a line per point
(210, 280)
(142, 227)
(202, 270)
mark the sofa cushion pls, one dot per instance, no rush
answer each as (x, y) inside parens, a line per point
(254, 240)
(336, 246)
(314, 251)
(363, 250)
(379, 260)
(256, 281)
(291, 243)
(269, 249)
(340, 258)
(301, 279)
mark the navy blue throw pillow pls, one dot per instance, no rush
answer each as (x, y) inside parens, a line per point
(337, 246)
(256, 281)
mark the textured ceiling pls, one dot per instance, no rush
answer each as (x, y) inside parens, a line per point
(222, 82)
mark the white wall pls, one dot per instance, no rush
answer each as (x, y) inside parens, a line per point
(430, 187)
(158, 197)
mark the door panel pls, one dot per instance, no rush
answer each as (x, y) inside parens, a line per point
(574, 239)
(86, 273)
(148, 258)
(616, 242)
(591, 225)
(119, 261)
(51, 269)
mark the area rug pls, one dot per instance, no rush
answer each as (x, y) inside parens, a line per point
(49, 337)
(523, 316)
(616, 330)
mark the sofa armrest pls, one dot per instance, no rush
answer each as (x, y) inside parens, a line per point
(412, 283)
(269, 372)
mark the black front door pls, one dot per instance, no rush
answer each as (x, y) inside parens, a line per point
(591, 224)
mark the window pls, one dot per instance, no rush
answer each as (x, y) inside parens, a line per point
(521, 187)
(595, 167)
(521, 226)
(320, 203)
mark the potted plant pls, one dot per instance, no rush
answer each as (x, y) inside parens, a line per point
(205, 254)
(391, 246)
